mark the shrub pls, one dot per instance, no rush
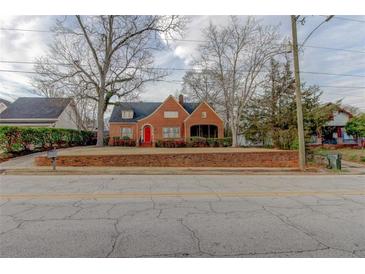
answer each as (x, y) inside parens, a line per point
(124, 141)
(19, 139)
(196, 142)
(115, 140)
(127, 143)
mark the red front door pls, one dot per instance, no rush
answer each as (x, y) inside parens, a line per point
(147, 134)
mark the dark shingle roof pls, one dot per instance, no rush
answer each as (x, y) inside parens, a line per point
(35, 108)
(190, 107)
(21, 122)
(5, 102)
(141, 110)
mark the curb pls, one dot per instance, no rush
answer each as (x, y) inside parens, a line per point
(162, 171)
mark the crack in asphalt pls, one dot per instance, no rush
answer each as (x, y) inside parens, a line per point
(114, 239)
(198, 238)
(193, 236)
(303, 230)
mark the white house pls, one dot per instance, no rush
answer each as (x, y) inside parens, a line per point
(3, 105)
(334, 131)
(41, 112)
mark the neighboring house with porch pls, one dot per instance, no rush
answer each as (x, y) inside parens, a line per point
(41, 112)
(334, 131)
(148, 122)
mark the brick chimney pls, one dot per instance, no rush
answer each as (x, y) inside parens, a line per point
(181, 99)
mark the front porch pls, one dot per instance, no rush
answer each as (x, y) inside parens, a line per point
(205, 131)
(333, 135)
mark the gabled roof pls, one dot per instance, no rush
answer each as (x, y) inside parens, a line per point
(340, 109)
(141, 110)
(35, 108)
(5, 102)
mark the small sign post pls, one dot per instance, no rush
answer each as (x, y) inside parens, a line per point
(52, 154)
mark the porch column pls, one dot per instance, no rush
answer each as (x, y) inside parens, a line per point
(319, 137)
(339, 135)
(220, 132)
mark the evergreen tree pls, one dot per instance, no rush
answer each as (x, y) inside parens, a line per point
(271, 116)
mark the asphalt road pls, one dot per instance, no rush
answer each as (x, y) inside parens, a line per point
(182, 216)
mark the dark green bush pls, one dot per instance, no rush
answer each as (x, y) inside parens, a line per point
(196, 142)
(125, 141)
(19, 139)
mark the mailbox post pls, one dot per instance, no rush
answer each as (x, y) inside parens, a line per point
(52, 154)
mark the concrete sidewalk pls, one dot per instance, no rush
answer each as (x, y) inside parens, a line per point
(151, 171)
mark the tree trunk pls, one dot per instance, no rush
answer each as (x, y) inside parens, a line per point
(234, 133)
(100, 133)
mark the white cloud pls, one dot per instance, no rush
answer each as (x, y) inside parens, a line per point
(25, 46)
(20, 46)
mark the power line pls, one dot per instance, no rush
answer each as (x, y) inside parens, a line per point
(346, 19)
(328, 86)
(344, 95)
(32, 63)
(331, 74)
(310, 34)
(348, 50)
(181, 40)
(40, 30)
(19, 71)
(180, 82)
(189, 69)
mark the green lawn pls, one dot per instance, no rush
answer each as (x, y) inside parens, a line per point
(348, 154)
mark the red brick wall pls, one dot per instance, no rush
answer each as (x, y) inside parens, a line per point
(229, 159)
(212, 119)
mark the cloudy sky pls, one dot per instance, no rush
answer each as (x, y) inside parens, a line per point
(342, 32)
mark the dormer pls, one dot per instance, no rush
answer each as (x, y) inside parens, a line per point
(127, 114)
(2, 107)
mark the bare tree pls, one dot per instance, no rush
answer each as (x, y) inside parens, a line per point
(102, 58)
(235, 57)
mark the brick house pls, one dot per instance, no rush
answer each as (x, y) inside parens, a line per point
(148, 122)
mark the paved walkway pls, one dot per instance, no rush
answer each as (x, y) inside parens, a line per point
(353, 167)
(27, 161)
(182, 216)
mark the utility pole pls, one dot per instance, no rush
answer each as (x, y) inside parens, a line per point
(298, 94)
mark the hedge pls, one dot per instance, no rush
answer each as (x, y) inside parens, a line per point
(22, 139)
(196, 142)
(124, 142)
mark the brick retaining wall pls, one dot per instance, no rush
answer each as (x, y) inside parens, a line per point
(229, 159)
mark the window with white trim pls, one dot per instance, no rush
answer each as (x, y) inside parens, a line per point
(171, 132)
(127, 114)
(127, 132)
(171, 114)
(204, 114)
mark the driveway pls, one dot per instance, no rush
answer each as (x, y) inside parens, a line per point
(182, 216)
(27, 161)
